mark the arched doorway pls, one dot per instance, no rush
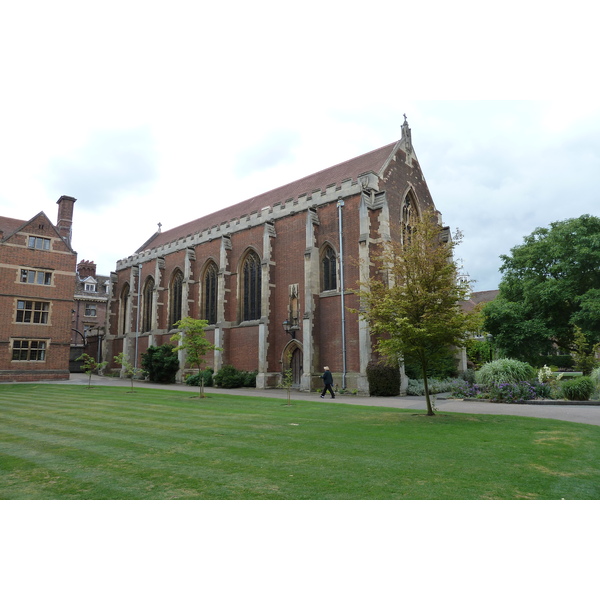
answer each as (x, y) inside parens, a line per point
(293, 359)
(296, 366)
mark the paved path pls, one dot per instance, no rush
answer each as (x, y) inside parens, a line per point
(566, 412)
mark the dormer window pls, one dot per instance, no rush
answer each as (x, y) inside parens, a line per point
(89, 284)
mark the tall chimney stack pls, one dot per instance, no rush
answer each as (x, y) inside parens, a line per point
(86, 268)
(65, 217)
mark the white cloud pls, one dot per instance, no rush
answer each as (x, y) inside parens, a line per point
(150, 112)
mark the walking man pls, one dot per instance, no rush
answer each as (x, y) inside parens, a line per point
(327, 378)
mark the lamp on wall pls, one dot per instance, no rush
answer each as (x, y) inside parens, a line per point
(290, 327)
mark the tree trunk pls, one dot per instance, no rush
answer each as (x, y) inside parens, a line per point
(430, 412)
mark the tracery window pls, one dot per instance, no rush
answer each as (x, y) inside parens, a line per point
(175, 299)
(328, 269)
(123, 309)
(148, 306)
(409, 216)
(209, 300)
(251, 287)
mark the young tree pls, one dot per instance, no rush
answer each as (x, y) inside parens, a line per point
(550, 283)
(287, 378)
(90, 365)
(412, 303)
(584, 354)
(128, 369)
(191, 337)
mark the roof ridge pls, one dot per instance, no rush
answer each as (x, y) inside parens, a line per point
(342, 171)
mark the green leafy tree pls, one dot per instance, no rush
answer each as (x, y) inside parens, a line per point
(584, 353)
(90, 365)
(191, 337)
(412, 303)
(550, 283)
(127, 367)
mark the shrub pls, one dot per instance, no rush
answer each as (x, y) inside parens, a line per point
(161, 363)
(250, 378)
(468, 376)
(194, 380)
(416, 387)
(504, 370)
(580, 388)
(596, 379)
(461, 388)
(229, 377)
(513, 392)
(383, 378)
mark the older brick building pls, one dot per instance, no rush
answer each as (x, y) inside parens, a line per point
(274, 275)
(89, 314)
(37, 282)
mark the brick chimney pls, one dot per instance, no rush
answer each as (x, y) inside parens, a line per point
(86, 268)
(65, 217)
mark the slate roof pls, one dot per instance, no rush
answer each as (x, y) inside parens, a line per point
(479, 298)
(8, 226)
(373, 161)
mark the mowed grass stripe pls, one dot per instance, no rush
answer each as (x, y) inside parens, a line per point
(79, 443)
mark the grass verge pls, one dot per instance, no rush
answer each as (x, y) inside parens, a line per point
(73, 442)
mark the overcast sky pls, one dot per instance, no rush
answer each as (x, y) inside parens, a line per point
(163, 112)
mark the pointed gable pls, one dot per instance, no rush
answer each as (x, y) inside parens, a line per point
(40, 225)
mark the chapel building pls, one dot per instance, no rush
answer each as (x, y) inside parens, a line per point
(275, 276)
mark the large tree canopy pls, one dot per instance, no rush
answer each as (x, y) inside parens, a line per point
(550, 283)
(412, 303)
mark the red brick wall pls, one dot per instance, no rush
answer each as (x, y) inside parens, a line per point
(61, 261)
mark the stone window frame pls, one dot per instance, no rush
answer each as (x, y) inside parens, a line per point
(250, 286)
(124, 309)
(328, 257)
(35, 274)
(28, 310)
(209, 292)
(175, 297)
(26, 350)
(409, 215)
(36, 242)
(148, 303)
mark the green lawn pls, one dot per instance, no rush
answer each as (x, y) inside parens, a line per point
(71, 442)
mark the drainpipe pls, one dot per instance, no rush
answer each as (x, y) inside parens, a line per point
(340, 204)
(137, 324)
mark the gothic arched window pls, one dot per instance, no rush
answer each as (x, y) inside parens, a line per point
(209, 291)
(251, 287)
(328, 269)
(409, 216)
(123, 309)
(148, 306)
(175, 298)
